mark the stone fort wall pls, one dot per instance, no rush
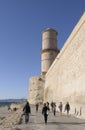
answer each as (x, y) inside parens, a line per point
(65, 80)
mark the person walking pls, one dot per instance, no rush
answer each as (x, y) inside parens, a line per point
(45, 110)
(52, 106)
(60, 107)
(37, 105)
(27, 110)
(67, 108)
(47, 104)
(54, 109)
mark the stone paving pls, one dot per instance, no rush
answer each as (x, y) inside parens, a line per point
(36, 122)
(57, 122)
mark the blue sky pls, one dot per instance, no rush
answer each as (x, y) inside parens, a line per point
(21, 26)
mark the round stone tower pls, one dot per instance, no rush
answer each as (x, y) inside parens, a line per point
(49, 49)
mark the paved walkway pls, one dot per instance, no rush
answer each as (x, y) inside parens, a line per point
(57, 122)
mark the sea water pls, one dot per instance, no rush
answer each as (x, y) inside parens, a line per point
(2, 104)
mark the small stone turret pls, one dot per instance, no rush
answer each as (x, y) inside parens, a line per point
(49, 49)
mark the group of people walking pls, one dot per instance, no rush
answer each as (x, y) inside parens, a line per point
(45, 110)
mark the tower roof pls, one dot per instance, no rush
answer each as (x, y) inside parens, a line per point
(50, 29)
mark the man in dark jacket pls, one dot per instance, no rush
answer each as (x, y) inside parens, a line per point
(45, 112)
(67, 108)
(27, 110)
